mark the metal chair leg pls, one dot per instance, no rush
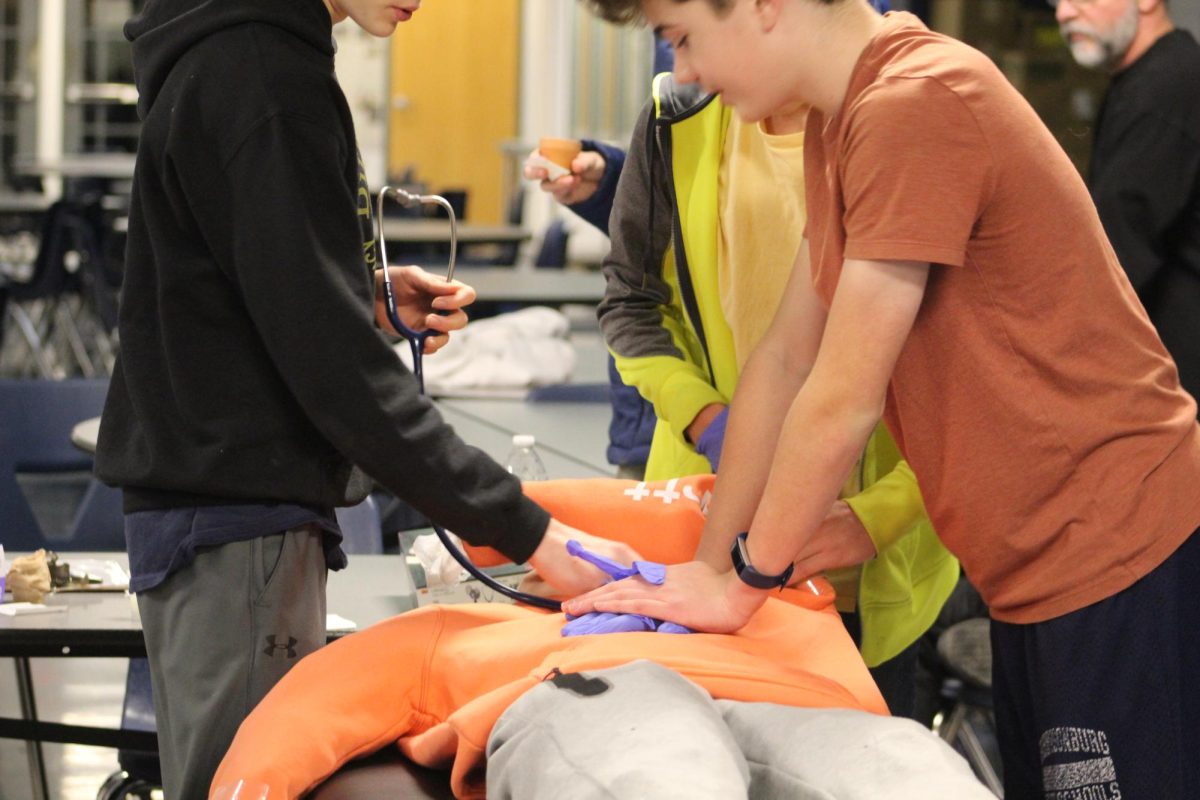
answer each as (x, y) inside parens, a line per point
(956, 728)
(33, 340)
(949, 728)
(65, 322)
(978, 758)
(37, 765)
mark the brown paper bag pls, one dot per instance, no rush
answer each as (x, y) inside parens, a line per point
(29, 578)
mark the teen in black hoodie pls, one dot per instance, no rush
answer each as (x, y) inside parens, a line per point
(253, 392)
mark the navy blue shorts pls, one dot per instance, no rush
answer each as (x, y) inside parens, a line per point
(1104, 703)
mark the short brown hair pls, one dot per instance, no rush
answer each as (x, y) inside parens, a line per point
(624, 12)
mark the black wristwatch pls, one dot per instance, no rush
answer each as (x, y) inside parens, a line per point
(749, 575)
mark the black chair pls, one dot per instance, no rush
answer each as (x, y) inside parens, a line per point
(71, 269)
(966, 650)
(361, 529)
(36, 449)
(499, 255)
(553, 252)
(507, 253)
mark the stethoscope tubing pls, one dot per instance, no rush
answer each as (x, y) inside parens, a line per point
(416, 342)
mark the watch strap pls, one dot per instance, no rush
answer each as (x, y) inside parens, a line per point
(739, 554)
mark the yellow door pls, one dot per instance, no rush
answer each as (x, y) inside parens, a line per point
(454, 80)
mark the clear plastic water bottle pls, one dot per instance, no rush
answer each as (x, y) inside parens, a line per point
(523, 460)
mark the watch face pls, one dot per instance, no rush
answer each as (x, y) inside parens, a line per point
(740, 556)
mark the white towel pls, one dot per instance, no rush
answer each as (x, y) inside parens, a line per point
(441, 568)
(514, 351)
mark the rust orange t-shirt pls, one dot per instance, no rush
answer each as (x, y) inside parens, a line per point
(1058, 456)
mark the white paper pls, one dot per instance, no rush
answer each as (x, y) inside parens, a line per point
(21, 609)
(553, 171)
(338, 624)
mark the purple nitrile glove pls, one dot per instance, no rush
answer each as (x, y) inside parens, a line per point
(710, 442)
(649, 571)
(604, 622)
(597, 622)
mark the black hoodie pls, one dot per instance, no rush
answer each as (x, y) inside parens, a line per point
(251, 369)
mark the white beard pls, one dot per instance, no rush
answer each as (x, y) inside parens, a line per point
(1102, 49)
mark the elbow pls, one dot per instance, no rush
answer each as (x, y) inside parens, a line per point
(785, 371)
(853, 415)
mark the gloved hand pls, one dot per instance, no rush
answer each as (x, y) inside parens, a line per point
(598, 622)
(605, 622)
(709, 443)
(649, 570)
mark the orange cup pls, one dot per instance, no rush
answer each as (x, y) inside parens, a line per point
(560, 151)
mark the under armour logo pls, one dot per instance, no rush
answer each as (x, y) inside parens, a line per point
(272, 646)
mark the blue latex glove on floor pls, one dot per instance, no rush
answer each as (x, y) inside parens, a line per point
(606, 622)
(710, 442)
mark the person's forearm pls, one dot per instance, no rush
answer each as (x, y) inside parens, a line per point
(597, 208)
(756, 416)
(822, 438)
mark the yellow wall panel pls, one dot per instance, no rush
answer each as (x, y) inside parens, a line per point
(454, 86)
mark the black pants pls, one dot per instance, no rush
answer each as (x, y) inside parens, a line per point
(1104, 703)
(964, 603)
(896, 677)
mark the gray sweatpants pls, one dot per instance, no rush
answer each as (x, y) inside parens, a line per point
(219, 634)
(643, 731)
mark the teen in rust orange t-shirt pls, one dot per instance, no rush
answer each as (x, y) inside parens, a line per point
(1033, 399)
(958, 282)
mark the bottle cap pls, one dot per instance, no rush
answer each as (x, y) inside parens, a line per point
(524, 440)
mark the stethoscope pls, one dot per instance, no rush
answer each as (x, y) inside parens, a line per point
(416, 343)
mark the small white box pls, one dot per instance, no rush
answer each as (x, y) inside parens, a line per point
(469, 591)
